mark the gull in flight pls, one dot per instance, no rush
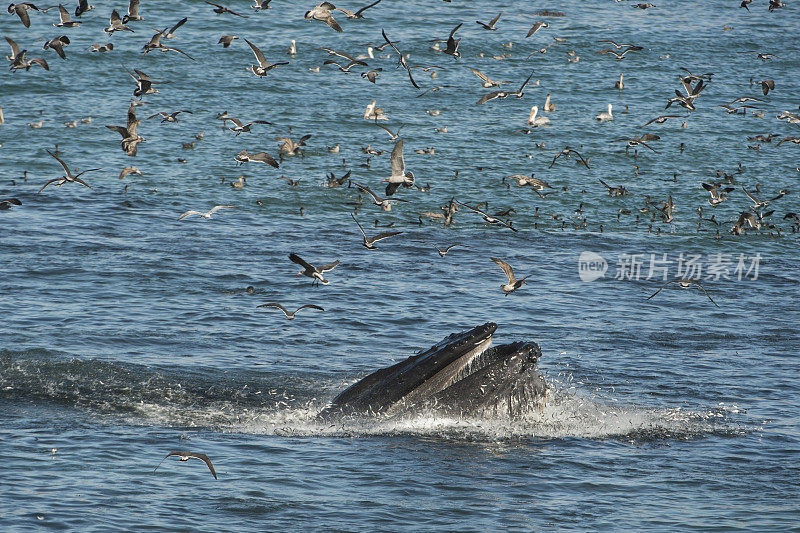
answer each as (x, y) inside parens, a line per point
(205, 215)
(685, 284)
(68, 177)
(513, 283)
(290, 316)
(185, 456)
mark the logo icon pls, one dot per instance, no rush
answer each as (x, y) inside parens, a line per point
(591, 266)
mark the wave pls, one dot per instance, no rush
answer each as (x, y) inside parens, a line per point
(269, 403)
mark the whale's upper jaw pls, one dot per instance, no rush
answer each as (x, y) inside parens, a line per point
(453, 369)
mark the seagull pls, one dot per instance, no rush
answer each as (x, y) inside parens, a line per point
(130, 137)
(290, 316)
(491, 24)
(97, 47)
(288, 146)
(565, 153)
(513, 283)
(452, 44)
(767, 86)
(636, 142)
(763, 56)
(116, 23)
(129, 170)
(401, 59)
(219, 10)
(9, 203)
(357, 14)
(605, 116)
(185, 456)
(156, 44)
(144, 85)
(530, 181)
(260, 157)
(21, 10)
(371, 75)
(259, 5)
(661, 119)
(263, 66)
(83, 7)
(310, 271)
(487, 83)
(619, 84)
(208, 214)
(536, 27)
(238, 127)
(65, 21)
(57, 44)
(504, 94)
(757, 204)
(399, 175)
(133, 12)
(685, 284)
(68, 177)
(383, 203)
(716, 192)
(614, 191)
(442, 253)
(369, 242)
(488, 218)
(168, 117)
(322, 13)
(226, 40)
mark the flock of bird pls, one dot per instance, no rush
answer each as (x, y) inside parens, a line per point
(756, 218)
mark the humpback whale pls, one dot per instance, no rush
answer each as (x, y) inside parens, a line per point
(460, 376)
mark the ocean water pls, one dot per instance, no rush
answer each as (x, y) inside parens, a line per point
(127, 334)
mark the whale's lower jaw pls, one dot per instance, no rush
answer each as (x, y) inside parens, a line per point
(460, 376)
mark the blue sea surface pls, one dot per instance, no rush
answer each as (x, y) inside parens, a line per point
(127, 334)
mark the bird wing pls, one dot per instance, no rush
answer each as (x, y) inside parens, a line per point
(179, 24)
(64, 165)
(218, 207)
(357, 13)
(120, 129)
(275, 304)
(662, 288)
(368, 191)
(494, 20)
(449, 247)
(745, 190)
(526, 82)
(385, 235)
(48, 183)
(488, 96)
(133, 9)
(330, 21)
(187, 213)
(203, 457)
(264, 157)
(294, 258)
(14, 47)
(312, 306)
(359, 226)
(329, 266)
(398, 164)
(481, 75)
(259, 54)
(706, 292)
(509, 272)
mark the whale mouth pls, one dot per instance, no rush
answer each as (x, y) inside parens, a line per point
(463, 374)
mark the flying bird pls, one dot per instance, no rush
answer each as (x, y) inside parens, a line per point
(185, 456)
(290, 316)
(68, 177)
(206, 215)
(263, 66)
(310, 271)
(369, 242)
(322, 13)
(513, 283)
(685, 284)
